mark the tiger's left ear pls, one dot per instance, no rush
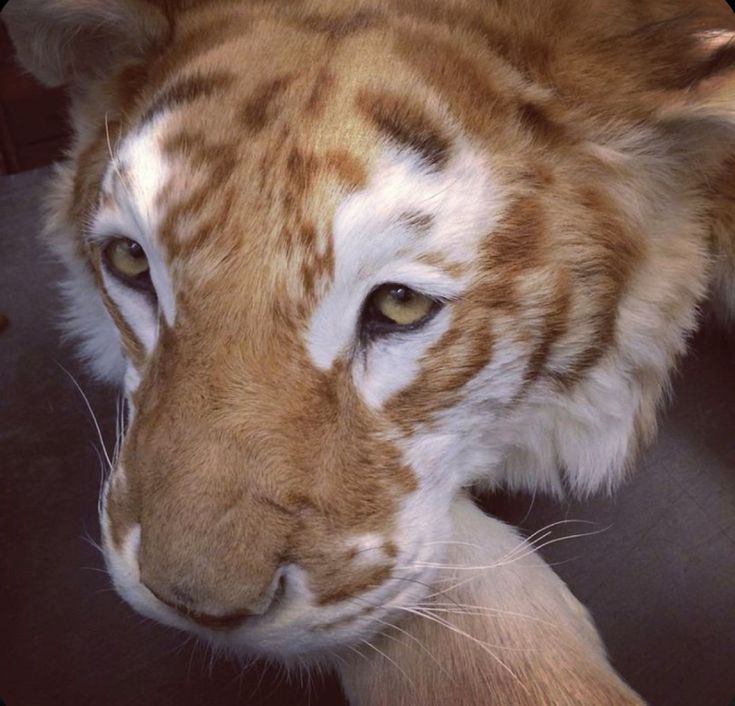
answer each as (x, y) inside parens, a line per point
(67, 41)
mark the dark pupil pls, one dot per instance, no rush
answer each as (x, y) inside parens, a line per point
(134, 250)
(402, 294)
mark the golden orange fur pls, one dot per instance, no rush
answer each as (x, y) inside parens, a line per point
(559, 172)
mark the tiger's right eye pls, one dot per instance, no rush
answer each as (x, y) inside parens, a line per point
(126, 260)
(400, 305)
(394, 307)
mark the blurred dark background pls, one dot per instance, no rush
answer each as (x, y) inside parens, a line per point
(659, 576)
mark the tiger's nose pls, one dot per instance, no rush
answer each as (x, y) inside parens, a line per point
(206, 614)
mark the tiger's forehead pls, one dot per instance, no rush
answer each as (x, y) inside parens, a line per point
(215, 201)
(238, 188)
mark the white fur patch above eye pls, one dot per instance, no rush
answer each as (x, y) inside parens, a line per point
(136, 181)
(406, 217)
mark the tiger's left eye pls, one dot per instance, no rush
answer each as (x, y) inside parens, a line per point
(127, 260)
(395, 307)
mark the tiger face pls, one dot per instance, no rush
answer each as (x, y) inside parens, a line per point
(345, 263)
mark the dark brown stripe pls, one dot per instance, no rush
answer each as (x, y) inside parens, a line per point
(421, 222)
(600, 264)
(341, 26)
(302, 169)
(219, 158)
(202, 39)
(363, 581)
(406, 125)
(517, 245)
(482, 105)
(723, 59)
(347, 168)
(259, 110)
(448, 365)
(131, 343)
(187, 90)
(535, 120)
(554, 327)
(216, 161)
(317, 100)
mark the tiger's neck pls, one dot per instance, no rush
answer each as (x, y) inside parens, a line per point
(510, 634)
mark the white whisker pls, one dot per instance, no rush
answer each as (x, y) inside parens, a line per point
(483, 645)
(463, 609)
(414, 639)
(392, 661)
(91, 412)
(357, 652)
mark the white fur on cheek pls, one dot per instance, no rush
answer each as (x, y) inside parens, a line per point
(87, 320)
(132, 379)
(468, 441)
(137, 309)
(391, 364)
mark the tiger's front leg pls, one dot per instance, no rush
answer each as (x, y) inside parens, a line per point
(500, 628)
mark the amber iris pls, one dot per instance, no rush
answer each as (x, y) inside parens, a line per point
(401, 305)
(126, 259)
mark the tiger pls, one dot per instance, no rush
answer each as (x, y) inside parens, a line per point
(349, 260)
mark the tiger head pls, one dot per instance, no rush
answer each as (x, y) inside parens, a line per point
(345, 264)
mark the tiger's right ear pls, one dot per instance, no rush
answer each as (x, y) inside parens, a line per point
(65, 41)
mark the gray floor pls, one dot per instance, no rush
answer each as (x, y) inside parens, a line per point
(659, 576)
